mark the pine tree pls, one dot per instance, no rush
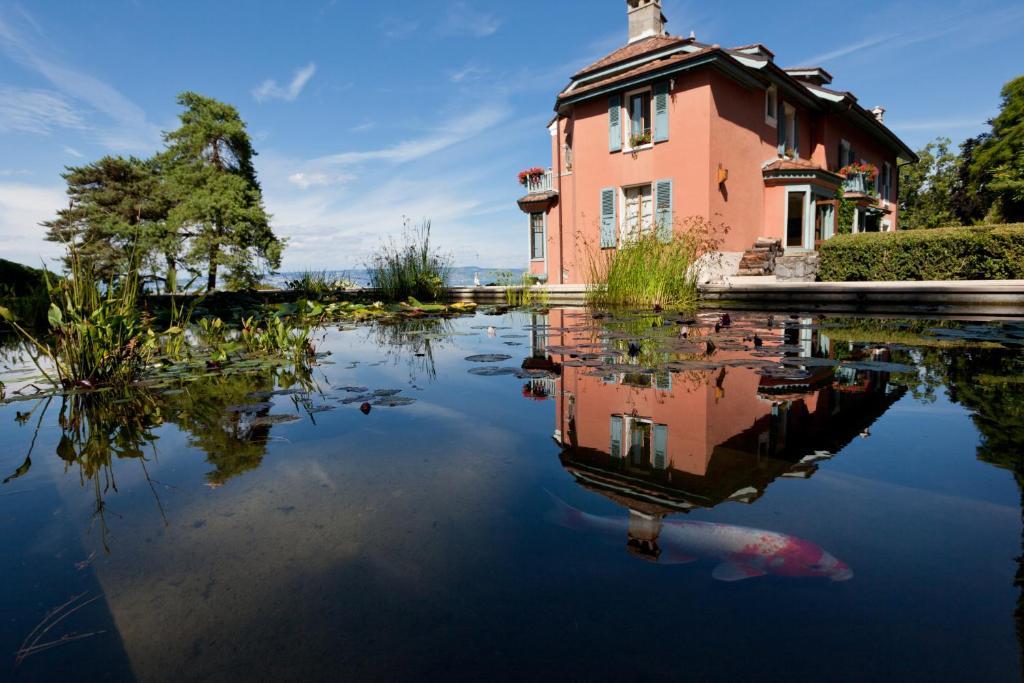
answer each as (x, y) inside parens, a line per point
(999, 159)
(217, 197)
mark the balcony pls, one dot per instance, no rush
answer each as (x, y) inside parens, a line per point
(540, 190)
(536, 184)
(858, 183)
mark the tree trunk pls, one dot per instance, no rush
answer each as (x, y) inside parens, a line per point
(172, 275)
(211, 279)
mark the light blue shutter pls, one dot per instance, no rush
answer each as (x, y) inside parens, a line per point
(796, 135)
(660, 447)
(781, 123)
(663, 209)
(616, 445)
(663, 380)
(608, 218)
(615, 123)
(661, 112)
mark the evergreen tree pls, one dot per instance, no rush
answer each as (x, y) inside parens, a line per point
(111, 218)
(999, 160)
(217, 198)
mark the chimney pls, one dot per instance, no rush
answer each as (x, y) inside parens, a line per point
(879, 113)
(645, 19)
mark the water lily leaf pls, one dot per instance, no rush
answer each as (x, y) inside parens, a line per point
(493, 371)
(489, 358)
(394, 401)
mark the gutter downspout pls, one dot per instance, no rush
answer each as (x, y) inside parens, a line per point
(561, 225)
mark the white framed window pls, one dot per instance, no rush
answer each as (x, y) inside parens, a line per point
(639, 121)
(792, 145)
(637, 212)
(771, 106)
(537, 237)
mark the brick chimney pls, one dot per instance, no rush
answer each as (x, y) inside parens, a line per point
(645, 19)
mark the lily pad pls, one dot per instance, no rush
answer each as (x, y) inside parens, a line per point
(489, 358)
(248, 408)
(493, 371)
(394, 401)
(271, 420)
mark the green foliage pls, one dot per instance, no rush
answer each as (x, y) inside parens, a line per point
(648, 271)
(410, 268)
(218, 200)
(845, 214)
(319, 284)
(926, 188)
(24, 294)
(526, 293)
(979, 253)
(998, 163)
(277, 337)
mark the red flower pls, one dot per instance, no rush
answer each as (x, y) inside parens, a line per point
(531, 174)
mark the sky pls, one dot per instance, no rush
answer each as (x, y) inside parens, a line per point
(365, 114)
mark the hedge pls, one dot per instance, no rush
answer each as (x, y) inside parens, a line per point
(987, 252)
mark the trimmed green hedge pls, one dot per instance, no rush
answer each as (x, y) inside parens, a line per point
(987, 252)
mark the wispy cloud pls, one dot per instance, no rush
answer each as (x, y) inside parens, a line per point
(131, 130)
(307, 180)
(363, 127)
(395, 28)
(850, 49)
(952, 123)
(451, 133)
(467, 73)
(14, 172)
(73, 152)
(35, 111)
(461, 19)
(271, 90)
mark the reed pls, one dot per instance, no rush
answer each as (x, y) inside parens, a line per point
(410, 268)
(319, 284)
(649, 271)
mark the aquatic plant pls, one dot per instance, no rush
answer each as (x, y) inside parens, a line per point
(412, 267)
(652, 271)
(526, 294)
(318, 284)
(276, 336)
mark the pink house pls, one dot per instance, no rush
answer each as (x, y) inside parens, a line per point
(667, 127)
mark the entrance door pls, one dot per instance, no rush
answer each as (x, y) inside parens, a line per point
(795, 219)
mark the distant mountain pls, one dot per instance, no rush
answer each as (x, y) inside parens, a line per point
(461, 276)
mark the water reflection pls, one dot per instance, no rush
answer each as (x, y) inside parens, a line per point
(661, 441)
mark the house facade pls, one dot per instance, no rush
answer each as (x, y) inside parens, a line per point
(668, 128)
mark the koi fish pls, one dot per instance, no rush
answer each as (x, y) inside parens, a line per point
(742, 553)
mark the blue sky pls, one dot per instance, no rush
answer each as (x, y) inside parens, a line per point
(365, 112)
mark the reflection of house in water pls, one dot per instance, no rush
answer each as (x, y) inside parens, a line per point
(665, 443)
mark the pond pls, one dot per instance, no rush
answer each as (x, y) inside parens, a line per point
(533, 495)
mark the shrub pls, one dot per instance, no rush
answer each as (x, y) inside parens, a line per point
(410, 268)
(992, 252)
(318, 284)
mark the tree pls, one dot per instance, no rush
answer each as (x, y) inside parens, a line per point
(925, 188)
(112, 217)
(217, 198)
(999, 160)
(969, 201)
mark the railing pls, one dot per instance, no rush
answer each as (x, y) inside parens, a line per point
(857, 183)
(541, 183)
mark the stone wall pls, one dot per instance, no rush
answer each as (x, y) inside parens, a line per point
(798, 267)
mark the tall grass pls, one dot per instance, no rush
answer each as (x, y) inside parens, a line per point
(411, 267)
(525, 294)
(648, 271)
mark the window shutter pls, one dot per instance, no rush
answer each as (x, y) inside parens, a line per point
(663, 210)
(614, 123)
(663, 380)
(661, 112)
(616, 445)
(796, 134)
(660, 447)
(781, 119)
(608, 218)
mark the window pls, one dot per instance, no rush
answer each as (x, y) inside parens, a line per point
(537, 236)
(639, 212)
(885, 182)
(795, 219)
(846, 155)
(771, 106)
(638, 113)
(791, 141)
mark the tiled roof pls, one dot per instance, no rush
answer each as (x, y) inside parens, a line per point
(796, 165)
(647, 67)
(632, 50)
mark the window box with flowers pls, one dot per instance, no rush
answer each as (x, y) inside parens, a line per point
(535, 179)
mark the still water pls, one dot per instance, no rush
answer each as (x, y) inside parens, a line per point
(533, 496)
